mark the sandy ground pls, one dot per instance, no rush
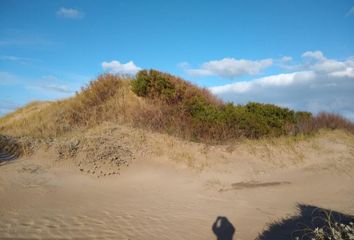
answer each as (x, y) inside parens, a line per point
(164, 198)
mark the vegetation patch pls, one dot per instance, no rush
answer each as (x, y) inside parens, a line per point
(159, 101)
(183, 109)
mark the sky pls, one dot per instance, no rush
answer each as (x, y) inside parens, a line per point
(297, 54)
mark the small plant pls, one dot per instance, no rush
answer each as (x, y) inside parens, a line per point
(335, 231)
(328, 227)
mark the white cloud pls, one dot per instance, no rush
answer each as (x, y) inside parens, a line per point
(22, 60)
(328, 66)
(280, 80)
(286, 59)
(26, 41)
(70, 13)
(322, 85)
(230, 67)
(51, 84)
(183, 65)
(8, 78)
(322, 65)
(43, 88)
(116, 67)
(7, 106)
(350, 12)
(9, 58)
(317, 55)
(347, 72)
(287, 63)
(61, 88)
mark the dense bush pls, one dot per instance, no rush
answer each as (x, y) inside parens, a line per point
(167, 88)
(196, 113)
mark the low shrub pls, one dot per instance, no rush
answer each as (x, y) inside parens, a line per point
(332, 121)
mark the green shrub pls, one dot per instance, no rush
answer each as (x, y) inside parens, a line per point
(168, 89)
(196, 113)
(141, 83)
(154, 85)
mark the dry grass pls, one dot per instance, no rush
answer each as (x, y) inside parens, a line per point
(108, 98)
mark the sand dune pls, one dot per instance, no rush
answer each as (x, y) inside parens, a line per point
(168, 194)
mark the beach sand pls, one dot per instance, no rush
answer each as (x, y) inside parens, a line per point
(159, 198)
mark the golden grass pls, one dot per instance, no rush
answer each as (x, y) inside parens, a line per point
(109, 98)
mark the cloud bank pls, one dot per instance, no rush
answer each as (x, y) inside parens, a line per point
(116, 67)
(319, 84)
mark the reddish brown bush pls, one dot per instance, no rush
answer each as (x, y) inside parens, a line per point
(332, 121)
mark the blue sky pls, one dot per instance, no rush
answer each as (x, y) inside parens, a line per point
(298, 54)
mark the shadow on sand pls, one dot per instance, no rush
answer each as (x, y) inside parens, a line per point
(299, 226)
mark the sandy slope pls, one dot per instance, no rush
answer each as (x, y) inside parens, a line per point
(177, 192)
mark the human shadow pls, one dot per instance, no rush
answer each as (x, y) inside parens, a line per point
(302, 225)
(223, 228)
